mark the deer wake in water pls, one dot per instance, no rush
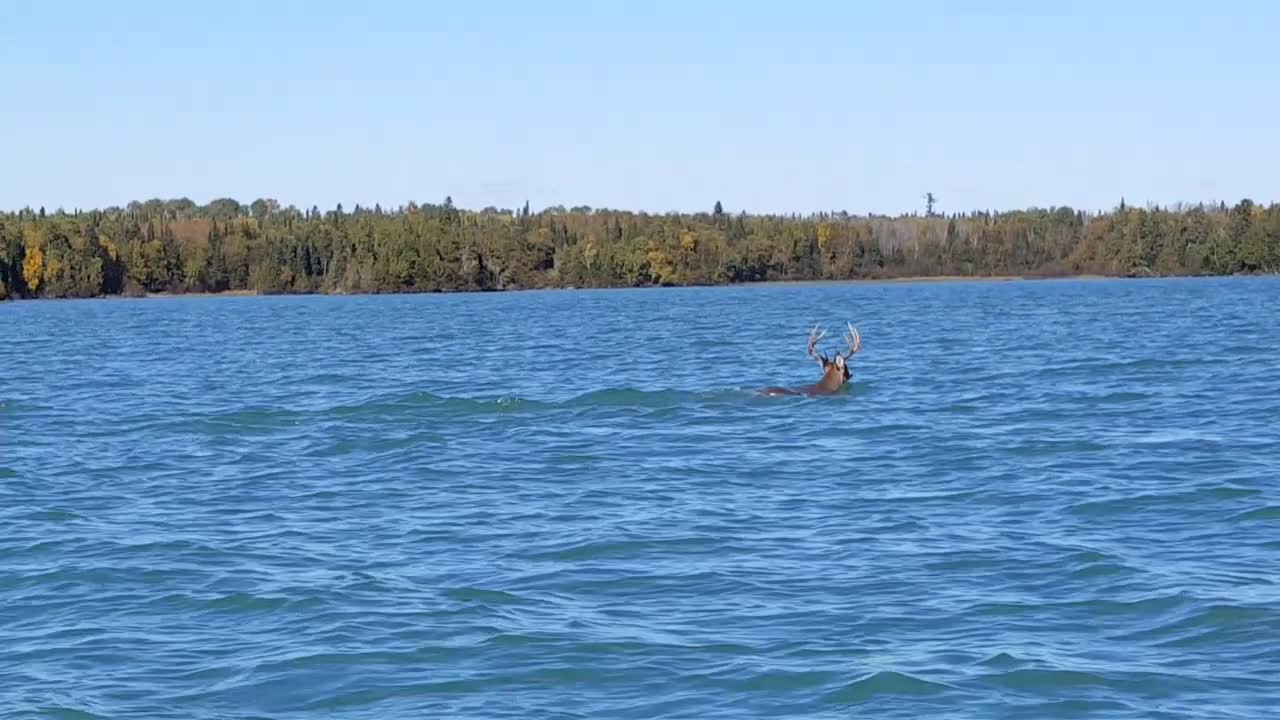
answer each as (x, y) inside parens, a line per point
(835, 369)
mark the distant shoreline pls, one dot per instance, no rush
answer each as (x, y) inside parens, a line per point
(936, 279)
(905, 280)
(180, 248)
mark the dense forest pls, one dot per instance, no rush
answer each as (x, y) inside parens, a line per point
(178, 246)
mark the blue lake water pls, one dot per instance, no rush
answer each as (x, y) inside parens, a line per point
(1037, 500)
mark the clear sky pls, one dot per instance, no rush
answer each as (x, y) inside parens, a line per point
(658, 105)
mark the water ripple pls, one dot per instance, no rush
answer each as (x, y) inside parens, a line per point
(456, 506)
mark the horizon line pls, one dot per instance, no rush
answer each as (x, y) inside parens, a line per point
(583, 208)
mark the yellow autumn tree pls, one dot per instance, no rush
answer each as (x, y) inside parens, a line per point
(824, 236)
(108, 246)
(33, 263)
(688, 241)
(661, 268)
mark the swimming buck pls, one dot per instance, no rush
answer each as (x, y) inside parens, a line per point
(835, 370)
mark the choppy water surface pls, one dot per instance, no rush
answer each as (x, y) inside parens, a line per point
(1052, 499)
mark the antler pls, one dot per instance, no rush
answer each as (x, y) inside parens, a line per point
(854, 339)
(814, 337)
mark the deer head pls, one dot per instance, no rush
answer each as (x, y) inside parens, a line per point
(835, 369)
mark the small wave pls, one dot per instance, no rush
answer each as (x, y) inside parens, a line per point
(1083, 708)
(595, 549)
(629, 397)
(1140, 608)
(259, 419)
(572, 459)
(1232, 351)
(1046, 679)
(1002, 660)
(242, 602)
(67, 713)
(326, 379)
(481, 595)
(1227, 492)
(658, 400)
(1118, 398)
(1174, 437)
(786, 680)
(885, 682)
(1098, 368)
(380, 407)
(263, 421)
(1055, 447)
(1270, 512)
(892, 429)
(1214, 624)
(512, 640)
(14, 408)
(606, 398)
(1092, 564)
(375, 444)
(1125, 504)
(53, 516)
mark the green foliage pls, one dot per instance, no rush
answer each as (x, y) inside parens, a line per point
(178, 246)
(9, 263)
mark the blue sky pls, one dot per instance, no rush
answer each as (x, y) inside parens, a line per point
(656, 106)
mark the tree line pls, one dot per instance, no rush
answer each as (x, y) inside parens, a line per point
(178, 246)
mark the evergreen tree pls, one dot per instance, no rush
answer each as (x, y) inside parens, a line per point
(170, 245)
